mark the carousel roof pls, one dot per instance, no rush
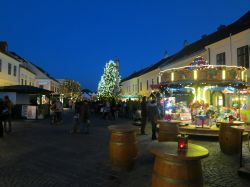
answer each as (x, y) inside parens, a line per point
(192, 83)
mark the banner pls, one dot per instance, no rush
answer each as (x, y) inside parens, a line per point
(29, 111)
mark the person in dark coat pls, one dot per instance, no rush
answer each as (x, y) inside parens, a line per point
(8, 104)
(153, 116)
(113, 108)
(3, 116)
(143, 115)
(84, 116)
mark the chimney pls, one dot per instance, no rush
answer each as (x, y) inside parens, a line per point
(221, 27)
(165, 55)
(203, 36)
(3, 46)
(185, 43)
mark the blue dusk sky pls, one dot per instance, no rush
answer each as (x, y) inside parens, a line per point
(74, 39)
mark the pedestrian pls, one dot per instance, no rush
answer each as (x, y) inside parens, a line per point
(106, 110)
(113, 108)
(8, 104)
(58, 109)
(3, 111)
(153, 116)
(143, 115)
(76, 124)
(130, 109)
(84, 116)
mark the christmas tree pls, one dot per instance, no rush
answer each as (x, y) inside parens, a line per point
(109, 85)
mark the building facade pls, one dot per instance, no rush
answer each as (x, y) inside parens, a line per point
(12, 69)
(15, 70)
(229, 45)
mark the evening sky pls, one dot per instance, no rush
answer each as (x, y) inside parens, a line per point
(75, 38)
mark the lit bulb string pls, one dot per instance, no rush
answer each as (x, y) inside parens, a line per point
(202, 67)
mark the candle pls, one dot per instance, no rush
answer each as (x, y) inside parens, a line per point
(182, 142)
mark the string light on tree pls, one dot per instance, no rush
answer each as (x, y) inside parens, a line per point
(109, 85)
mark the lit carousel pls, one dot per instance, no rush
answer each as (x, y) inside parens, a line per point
(202, 96)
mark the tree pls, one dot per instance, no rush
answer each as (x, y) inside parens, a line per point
(70, 89)
(109, 85)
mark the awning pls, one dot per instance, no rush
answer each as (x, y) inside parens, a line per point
(24, 89)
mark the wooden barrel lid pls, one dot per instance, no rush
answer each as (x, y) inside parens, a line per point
(232, 123)
(169, 150)
(122, 128)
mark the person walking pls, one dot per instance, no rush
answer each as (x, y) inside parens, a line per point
(113, 108)
(130, 108)
(84, 116)
(106, 111)
(8, 104)
(58, 109)
(76, 124)
(153, 116)
(3, 111)
(143, 115)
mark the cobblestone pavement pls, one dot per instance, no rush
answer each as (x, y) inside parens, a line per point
(38, 154)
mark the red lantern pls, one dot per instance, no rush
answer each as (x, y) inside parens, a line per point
(168, 117)
(182, 142)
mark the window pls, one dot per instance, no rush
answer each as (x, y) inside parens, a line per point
(221, 59)
(14, 71)
(220, 101)
(157, 80)
(25, 82)
(152, 81)
(40, 86)
(9, 68)
(0, 65)
(243, 56)
(21, 81)
(147, 84)
(141, 86)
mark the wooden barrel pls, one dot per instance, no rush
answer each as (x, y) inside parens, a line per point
(182, 173)
(229, 139)
(123, 146)
(177, 169)
(168, 130)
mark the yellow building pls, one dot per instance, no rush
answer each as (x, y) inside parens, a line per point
(12, 68)
(15, 70)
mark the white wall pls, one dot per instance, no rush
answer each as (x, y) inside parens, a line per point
(236, 41)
